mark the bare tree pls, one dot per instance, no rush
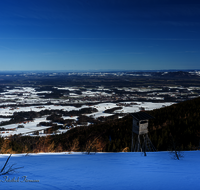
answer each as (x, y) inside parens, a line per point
(90, 145)
(8, 169)
(176, 154)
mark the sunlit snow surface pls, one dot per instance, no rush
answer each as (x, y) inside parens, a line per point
(156, 171)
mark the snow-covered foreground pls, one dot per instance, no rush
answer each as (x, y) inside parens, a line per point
(104, 171)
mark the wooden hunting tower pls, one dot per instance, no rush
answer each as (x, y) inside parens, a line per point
(140, 128)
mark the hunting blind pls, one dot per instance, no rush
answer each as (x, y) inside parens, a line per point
(140, 128)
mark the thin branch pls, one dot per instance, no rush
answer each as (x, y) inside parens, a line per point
(5, 164)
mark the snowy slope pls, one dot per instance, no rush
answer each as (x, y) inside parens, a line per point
(104, 171)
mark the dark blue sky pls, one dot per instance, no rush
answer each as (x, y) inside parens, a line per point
(99, 34)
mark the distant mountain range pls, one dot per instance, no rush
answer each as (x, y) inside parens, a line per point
(177, 74)
(97, 71)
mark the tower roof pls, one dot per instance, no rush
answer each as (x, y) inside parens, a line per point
(141, 116)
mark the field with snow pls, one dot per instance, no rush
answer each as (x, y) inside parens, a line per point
(31, 127)
(103, 171)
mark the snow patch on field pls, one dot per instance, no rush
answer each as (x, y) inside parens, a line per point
(29, 128)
